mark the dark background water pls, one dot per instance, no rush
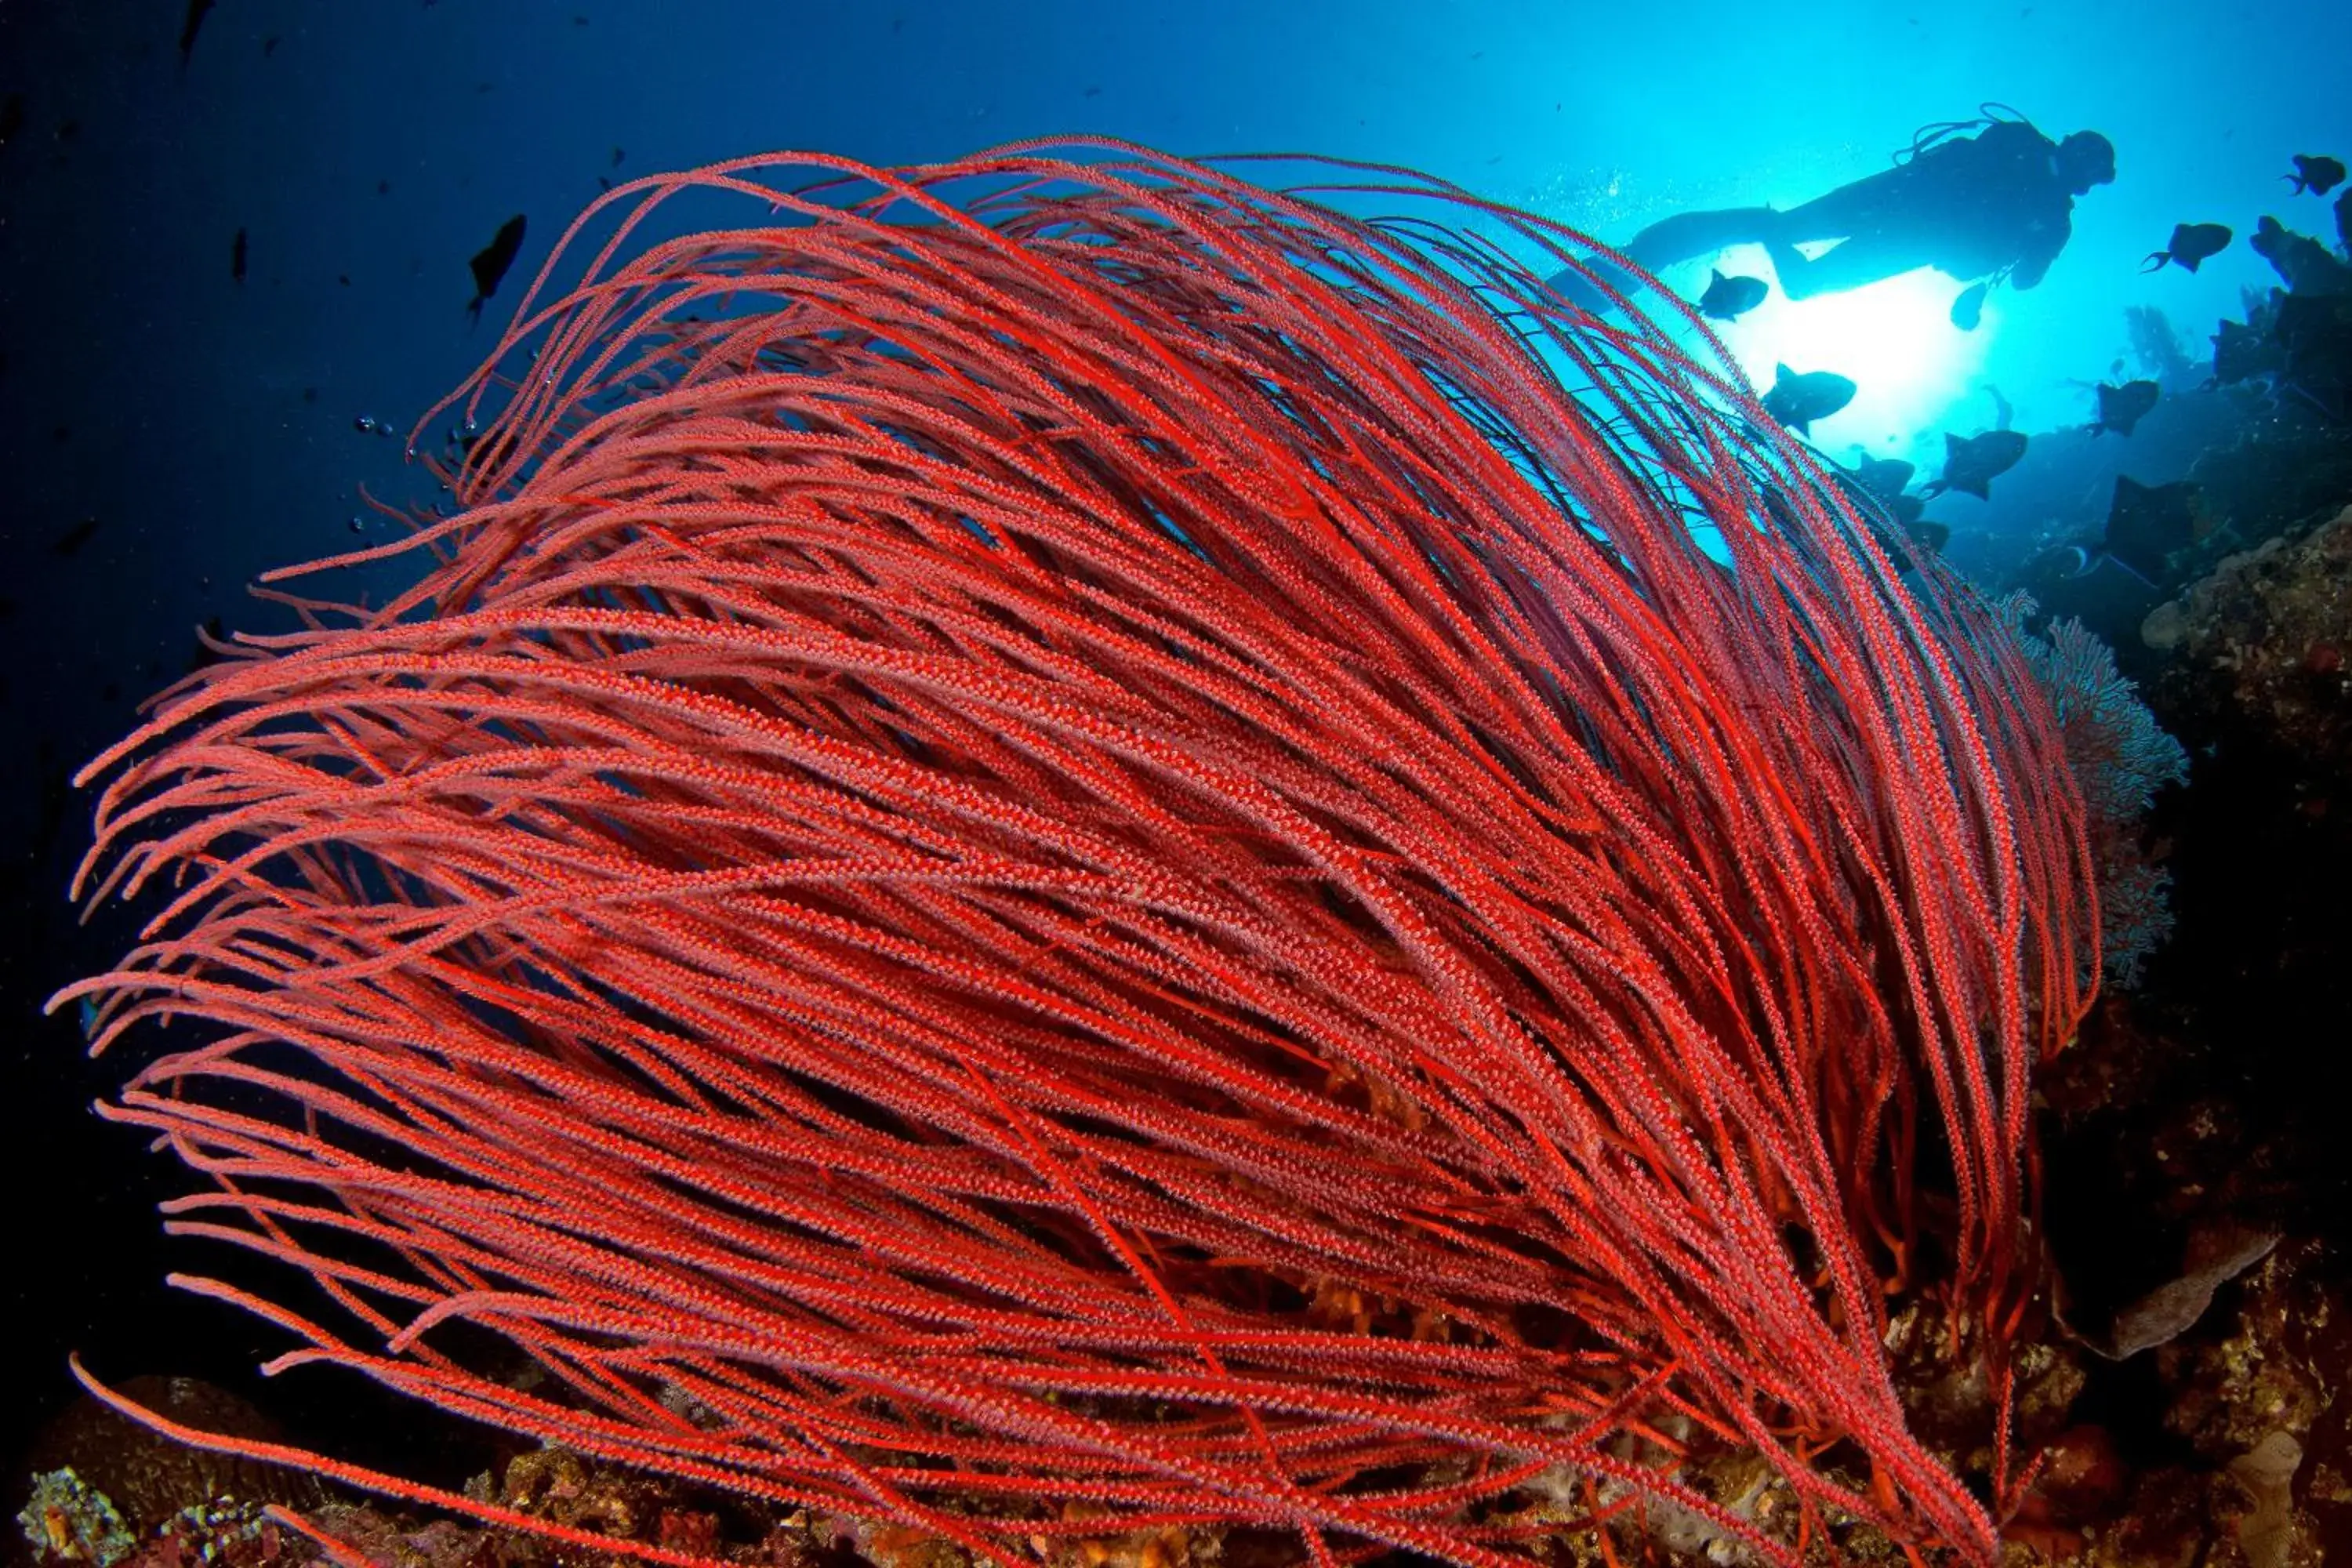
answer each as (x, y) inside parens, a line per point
(168, 430)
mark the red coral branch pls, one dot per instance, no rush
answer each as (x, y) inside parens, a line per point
(1063, 832)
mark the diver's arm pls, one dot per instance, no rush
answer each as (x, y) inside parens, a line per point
(2041, 248)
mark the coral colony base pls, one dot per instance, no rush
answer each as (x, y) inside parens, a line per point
(1065, 847)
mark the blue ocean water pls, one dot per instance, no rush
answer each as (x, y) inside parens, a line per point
(170, 429)
(367, 151)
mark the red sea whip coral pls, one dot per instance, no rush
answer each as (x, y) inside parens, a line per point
(1065, 847)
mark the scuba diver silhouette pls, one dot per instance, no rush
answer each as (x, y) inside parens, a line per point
(1997, 203)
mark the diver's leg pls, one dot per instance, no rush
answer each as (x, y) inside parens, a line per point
(1849, 264)
(1688, 234)
(1584, 292)
(1856, 208)
(1663, 243)
(1860, 216)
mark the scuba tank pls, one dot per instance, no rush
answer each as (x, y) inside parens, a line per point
(1930, 136)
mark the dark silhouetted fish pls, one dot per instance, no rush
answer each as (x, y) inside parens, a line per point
(2316, 175)
(2146, 524)
(1911, 536)
(2191, 243)
(2121, 408)
(1729, 299)
(490, 262)
(190, 26)
(1884, 477)
(68, 543)
(1972, 465)
(1798, 400)
(2240, 352)
(1968, 309)
(12, 117)
(2302, 263)
(237, 257)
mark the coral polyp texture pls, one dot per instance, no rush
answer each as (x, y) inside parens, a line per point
(1064, 846)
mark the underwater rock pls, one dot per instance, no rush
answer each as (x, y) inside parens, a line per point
(69, 1520)
(2216, 1256)
(149, 1478)
(2267, 1472)
(2274, 624)
(2302, 263)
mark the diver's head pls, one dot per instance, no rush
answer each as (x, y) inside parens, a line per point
(2086, 159)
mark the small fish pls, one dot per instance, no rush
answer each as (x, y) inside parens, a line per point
(490, 262)
(1911, 536)
(192, 23)
(237, 257)
(1968, 309)
(1729, 299)
(1884, 477)
(12, 117)
(1971, 464)
(68, 543)
(2316, 175)
(1797, 401)
(617, 155)
(2121, 408)
(269, 46)
(2148, 524)
(2191, 243)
